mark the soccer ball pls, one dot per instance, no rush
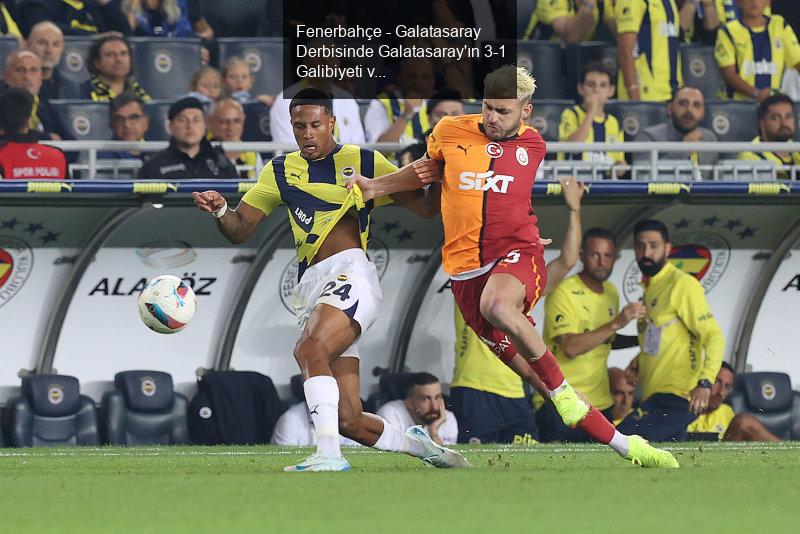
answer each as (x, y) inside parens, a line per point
(167, 304)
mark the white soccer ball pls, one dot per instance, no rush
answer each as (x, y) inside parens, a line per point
(167, 304)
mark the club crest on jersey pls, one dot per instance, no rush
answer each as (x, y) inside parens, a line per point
(493, 150)
(522, 156)
(348, 171)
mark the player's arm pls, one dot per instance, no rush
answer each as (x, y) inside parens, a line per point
(574, 345)
(629, 18)
(424, 202)
(559, 267)
(237, 225)
(408, 178)
(577, 28)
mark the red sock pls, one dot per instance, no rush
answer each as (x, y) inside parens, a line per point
(548, 371)
(597, 426)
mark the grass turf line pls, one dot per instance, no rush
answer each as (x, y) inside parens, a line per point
(720, 488)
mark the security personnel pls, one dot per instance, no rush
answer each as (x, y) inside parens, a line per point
(76, 17)
(754, 51)
(190, 154)
(649, 62)
(681, 343)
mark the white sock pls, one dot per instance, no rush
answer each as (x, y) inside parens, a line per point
(322, 398)
(619, 442)
(394, 440)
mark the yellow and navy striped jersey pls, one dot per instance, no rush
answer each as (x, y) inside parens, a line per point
(315, 195)
(792, 158)
(605, 130)
(760, 55)
(7, 24)
(717, 421)
(540, 25)
(477, 367)
(415, 128)
(657, 61)
(573, 308)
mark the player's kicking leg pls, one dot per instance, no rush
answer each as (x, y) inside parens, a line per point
(502, 304)
(332, 395)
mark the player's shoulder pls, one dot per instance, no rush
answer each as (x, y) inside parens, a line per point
(530, 136)
(568, 288)
(682, 280)
(610, 290)
(459, 123)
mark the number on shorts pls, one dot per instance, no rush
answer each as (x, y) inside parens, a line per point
(343, 292)
(513, 257)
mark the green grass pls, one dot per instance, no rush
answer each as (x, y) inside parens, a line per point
(720, 488)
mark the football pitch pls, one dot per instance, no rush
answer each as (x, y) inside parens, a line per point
(540, 488)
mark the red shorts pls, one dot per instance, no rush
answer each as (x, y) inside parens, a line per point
(527, 266)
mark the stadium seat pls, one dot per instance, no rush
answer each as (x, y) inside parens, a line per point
(732, 120)
(7, 45)
(157, 111)
(73, 61)
(546, 117)
(256, 122)
(770, 398)
(543, 59)
(700, 70)
(144, 409)
(50, 411)
(86, 121)
(164, 66)
(577, 56)
(391, 386)
(265, 57)
(635, 116)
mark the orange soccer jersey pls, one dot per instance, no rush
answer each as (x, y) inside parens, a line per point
(486, 191)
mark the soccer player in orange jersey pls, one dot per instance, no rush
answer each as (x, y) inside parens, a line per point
(492, 249)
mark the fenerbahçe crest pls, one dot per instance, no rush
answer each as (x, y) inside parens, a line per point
(704, 255)
(16, 262)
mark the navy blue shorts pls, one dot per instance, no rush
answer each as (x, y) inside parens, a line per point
(665, 418)
(492, 418)
(552, 427)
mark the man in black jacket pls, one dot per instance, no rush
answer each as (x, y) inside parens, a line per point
(75, 18)
(190, 154)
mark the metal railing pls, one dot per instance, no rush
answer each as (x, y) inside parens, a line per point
(550, 169)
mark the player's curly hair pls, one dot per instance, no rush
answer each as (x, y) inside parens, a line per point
(507, 81)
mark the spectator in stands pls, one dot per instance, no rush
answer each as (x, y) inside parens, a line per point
(424, 406)
(684, 114)
(570, 21)
(753, 52)
(47, 42)
(487, 396)
(348, 127)
(75, 18)
(445, 103)
(206, 84)
(581, 320)
(400, 115)
(650, 70)
(21, 155)
(9, 19)
(238, 81)
(168, 18)
(701, 19)
(588, 122)
(190, 154)
(110, 64)
(777, 124)
(622, 392)
(24, 69)
(680, 341)
(226, 123)
(718, 418)
(295, 429)
(128, 119)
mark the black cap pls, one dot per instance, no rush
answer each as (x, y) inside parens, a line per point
(189, 102)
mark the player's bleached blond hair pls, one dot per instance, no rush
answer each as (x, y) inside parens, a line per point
(507, 81)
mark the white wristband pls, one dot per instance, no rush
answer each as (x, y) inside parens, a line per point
(220, 212)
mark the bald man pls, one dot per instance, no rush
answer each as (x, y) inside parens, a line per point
(226, 123)
(47, 41)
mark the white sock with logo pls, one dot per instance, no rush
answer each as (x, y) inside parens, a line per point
(392, 439)
(619, 442)
(322, 398)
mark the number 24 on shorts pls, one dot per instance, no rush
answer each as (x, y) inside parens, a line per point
(343, 292)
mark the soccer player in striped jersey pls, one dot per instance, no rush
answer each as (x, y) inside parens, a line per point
(493, 251)
(754, 51)
(338, 293)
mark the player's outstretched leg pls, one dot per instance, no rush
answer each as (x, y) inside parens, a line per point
(374, 431)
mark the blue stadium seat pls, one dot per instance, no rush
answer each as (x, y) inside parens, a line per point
(732, 120)
(635, 116)
(265, 57)
(164, 66)
(256, 122)
(50, 411)
(546, 117)
(73, 65)
(86, 121)
(770, 398)
(391, 386)
(157, 111)
(700, 69)
(7, 45)
(544, 60)
(144, 409)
